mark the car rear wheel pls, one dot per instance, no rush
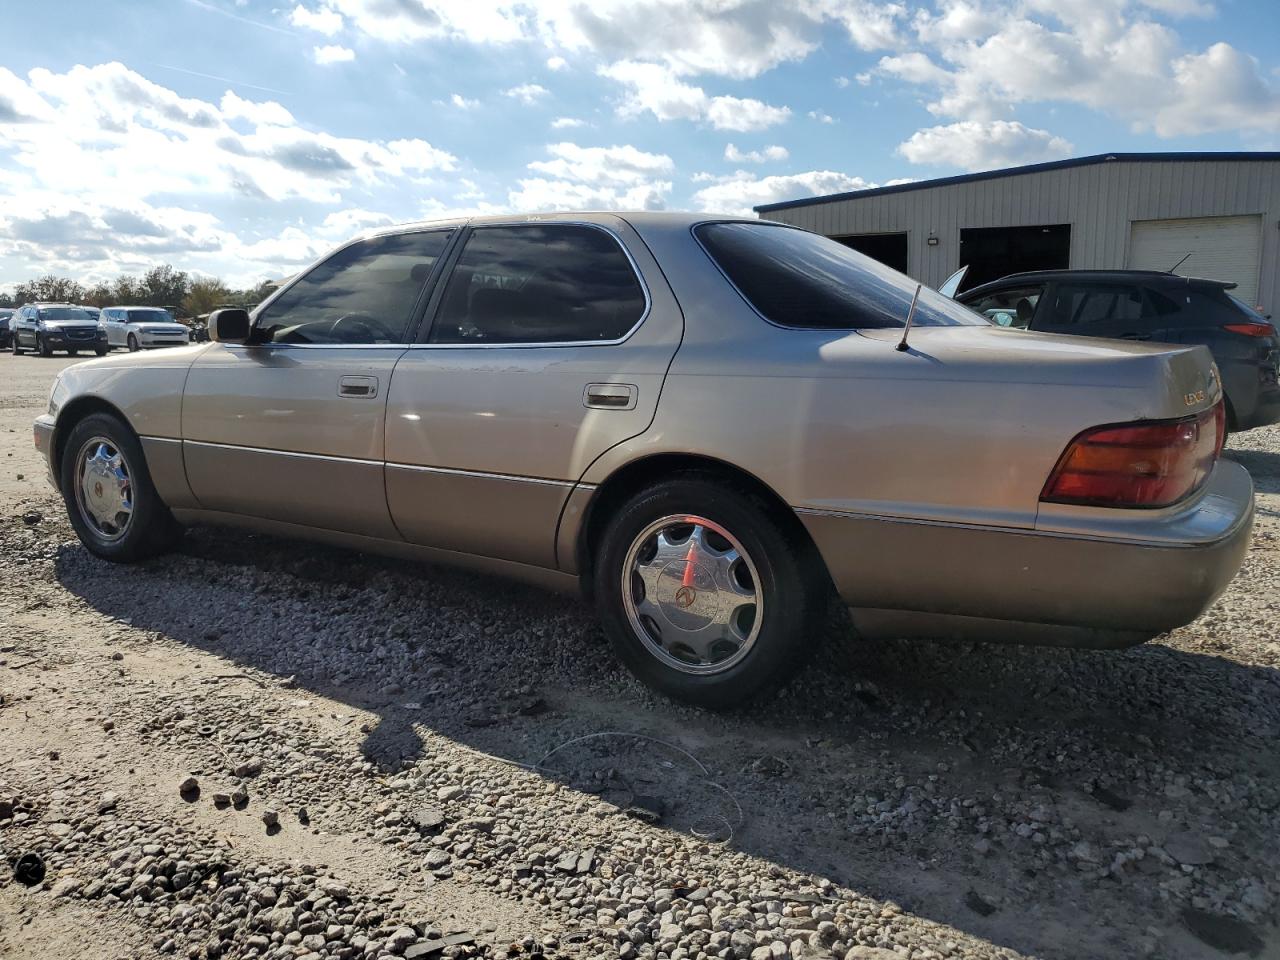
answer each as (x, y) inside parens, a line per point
(707, 594)
(17, 350)
(133, 344)
(110, 499)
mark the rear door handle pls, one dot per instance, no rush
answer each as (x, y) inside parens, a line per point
(358, 388)
(609, 396)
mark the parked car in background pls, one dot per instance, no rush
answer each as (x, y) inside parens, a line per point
(91, 311)
(142, 328)
(1148, 306)
(46, 327)
(707, 423)
(6, 337)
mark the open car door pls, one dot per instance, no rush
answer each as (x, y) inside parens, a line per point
(952, 284)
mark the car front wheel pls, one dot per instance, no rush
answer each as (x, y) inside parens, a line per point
(707, 593)
(110, 499)
(43, 347)
(134, 347)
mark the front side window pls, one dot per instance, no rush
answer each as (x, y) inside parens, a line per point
(798, 279)
(539, 283)
(1008, 308)
(363, 294)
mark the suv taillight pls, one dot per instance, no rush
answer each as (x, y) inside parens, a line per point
(1252, 328)
(1150, 464)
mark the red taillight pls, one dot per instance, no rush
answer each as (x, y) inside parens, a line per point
(1149, 464)
(1251, 329)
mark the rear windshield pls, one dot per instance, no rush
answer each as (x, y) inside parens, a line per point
(798, 279)
(62, 313)
(149, 316)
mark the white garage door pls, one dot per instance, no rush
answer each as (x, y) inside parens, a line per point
(1220, 248)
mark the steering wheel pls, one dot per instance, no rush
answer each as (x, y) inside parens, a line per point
(357, 328)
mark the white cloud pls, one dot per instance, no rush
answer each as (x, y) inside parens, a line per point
(107, 171)
(766, 155)
(332, 53)
(979, 62)
(619, 177)
(732, 38)
(556, 63)
(527, 93)
(322, 20)
(842, 82)
(821, 117)
(617, 164)
(741, 192)
(463, 103)
(567, 123)
(983, 145)
(652, 88)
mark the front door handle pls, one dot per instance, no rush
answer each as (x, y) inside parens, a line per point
(358, 388)
(609, 396)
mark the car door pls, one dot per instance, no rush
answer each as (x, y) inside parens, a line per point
(548, 344)
(289, 426)
(27, 327)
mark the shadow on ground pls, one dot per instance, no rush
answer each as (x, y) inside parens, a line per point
(917, 773)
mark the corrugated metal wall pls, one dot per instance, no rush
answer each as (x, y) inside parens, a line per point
(1100, 201)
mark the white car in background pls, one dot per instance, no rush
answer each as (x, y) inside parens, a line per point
(140, 328)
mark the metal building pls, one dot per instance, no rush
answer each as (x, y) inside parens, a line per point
(1209, 214)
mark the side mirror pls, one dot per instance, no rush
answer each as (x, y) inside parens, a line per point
(229, 326)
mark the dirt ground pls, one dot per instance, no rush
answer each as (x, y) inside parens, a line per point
(448, 756)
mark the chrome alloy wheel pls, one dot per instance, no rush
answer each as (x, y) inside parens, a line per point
(104, 488)
(692, 594)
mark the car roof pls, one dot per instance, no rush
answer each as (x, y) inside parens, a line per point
(131, 306)
(1153, 277)
(664, 218)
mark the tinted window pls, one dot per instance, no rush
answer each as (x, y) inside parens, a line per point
(364, 293)
(149, 316)
(1082, 305)
(544, 283)
(1008, 308)
(799, 279)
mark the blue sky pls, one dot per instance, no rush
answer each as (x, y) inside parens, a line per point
(241, 138)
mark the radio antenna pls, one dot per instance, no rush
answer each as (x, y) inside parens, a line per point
(911, 313)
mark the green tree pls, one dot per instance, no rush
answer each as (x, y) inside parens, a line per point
(49, 288)
(99, 295)
(124, 291)
(205, 294)
(163, 286)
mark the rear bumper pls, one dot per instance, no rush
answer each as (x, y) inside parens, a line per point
(1022, 586)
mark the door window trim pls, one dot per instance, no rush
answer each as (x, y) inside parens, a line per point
(425, 295)
(437, 295)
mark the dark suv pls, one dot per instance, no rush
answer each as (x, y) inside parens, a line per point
(46, 327)
(5, 314)
(1140, 305)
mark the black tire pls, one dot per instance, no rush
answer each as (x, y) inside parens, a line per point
(152, 529)
(100, 351)
(17, 350)
(134, 346)
(72, 352)
(793, 586)
(42, 347)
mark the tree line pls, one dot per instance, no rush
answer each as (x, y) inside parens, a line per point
(161, 286)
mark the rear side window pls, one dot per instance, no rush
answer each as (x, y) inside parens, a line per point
(798, 279)
(1081, 305)
(539, 283)
(363, 294)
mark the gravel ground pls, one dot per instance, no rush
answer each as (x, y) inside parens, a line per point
(253, 748)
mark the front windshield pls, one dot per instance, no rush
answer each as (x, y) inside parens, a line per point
(62, 314)
(799, 279)
(150, 316)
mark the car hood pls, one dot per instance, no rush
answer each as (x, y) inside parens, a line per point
(171, 357)
(147, 326)
(86, 322)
